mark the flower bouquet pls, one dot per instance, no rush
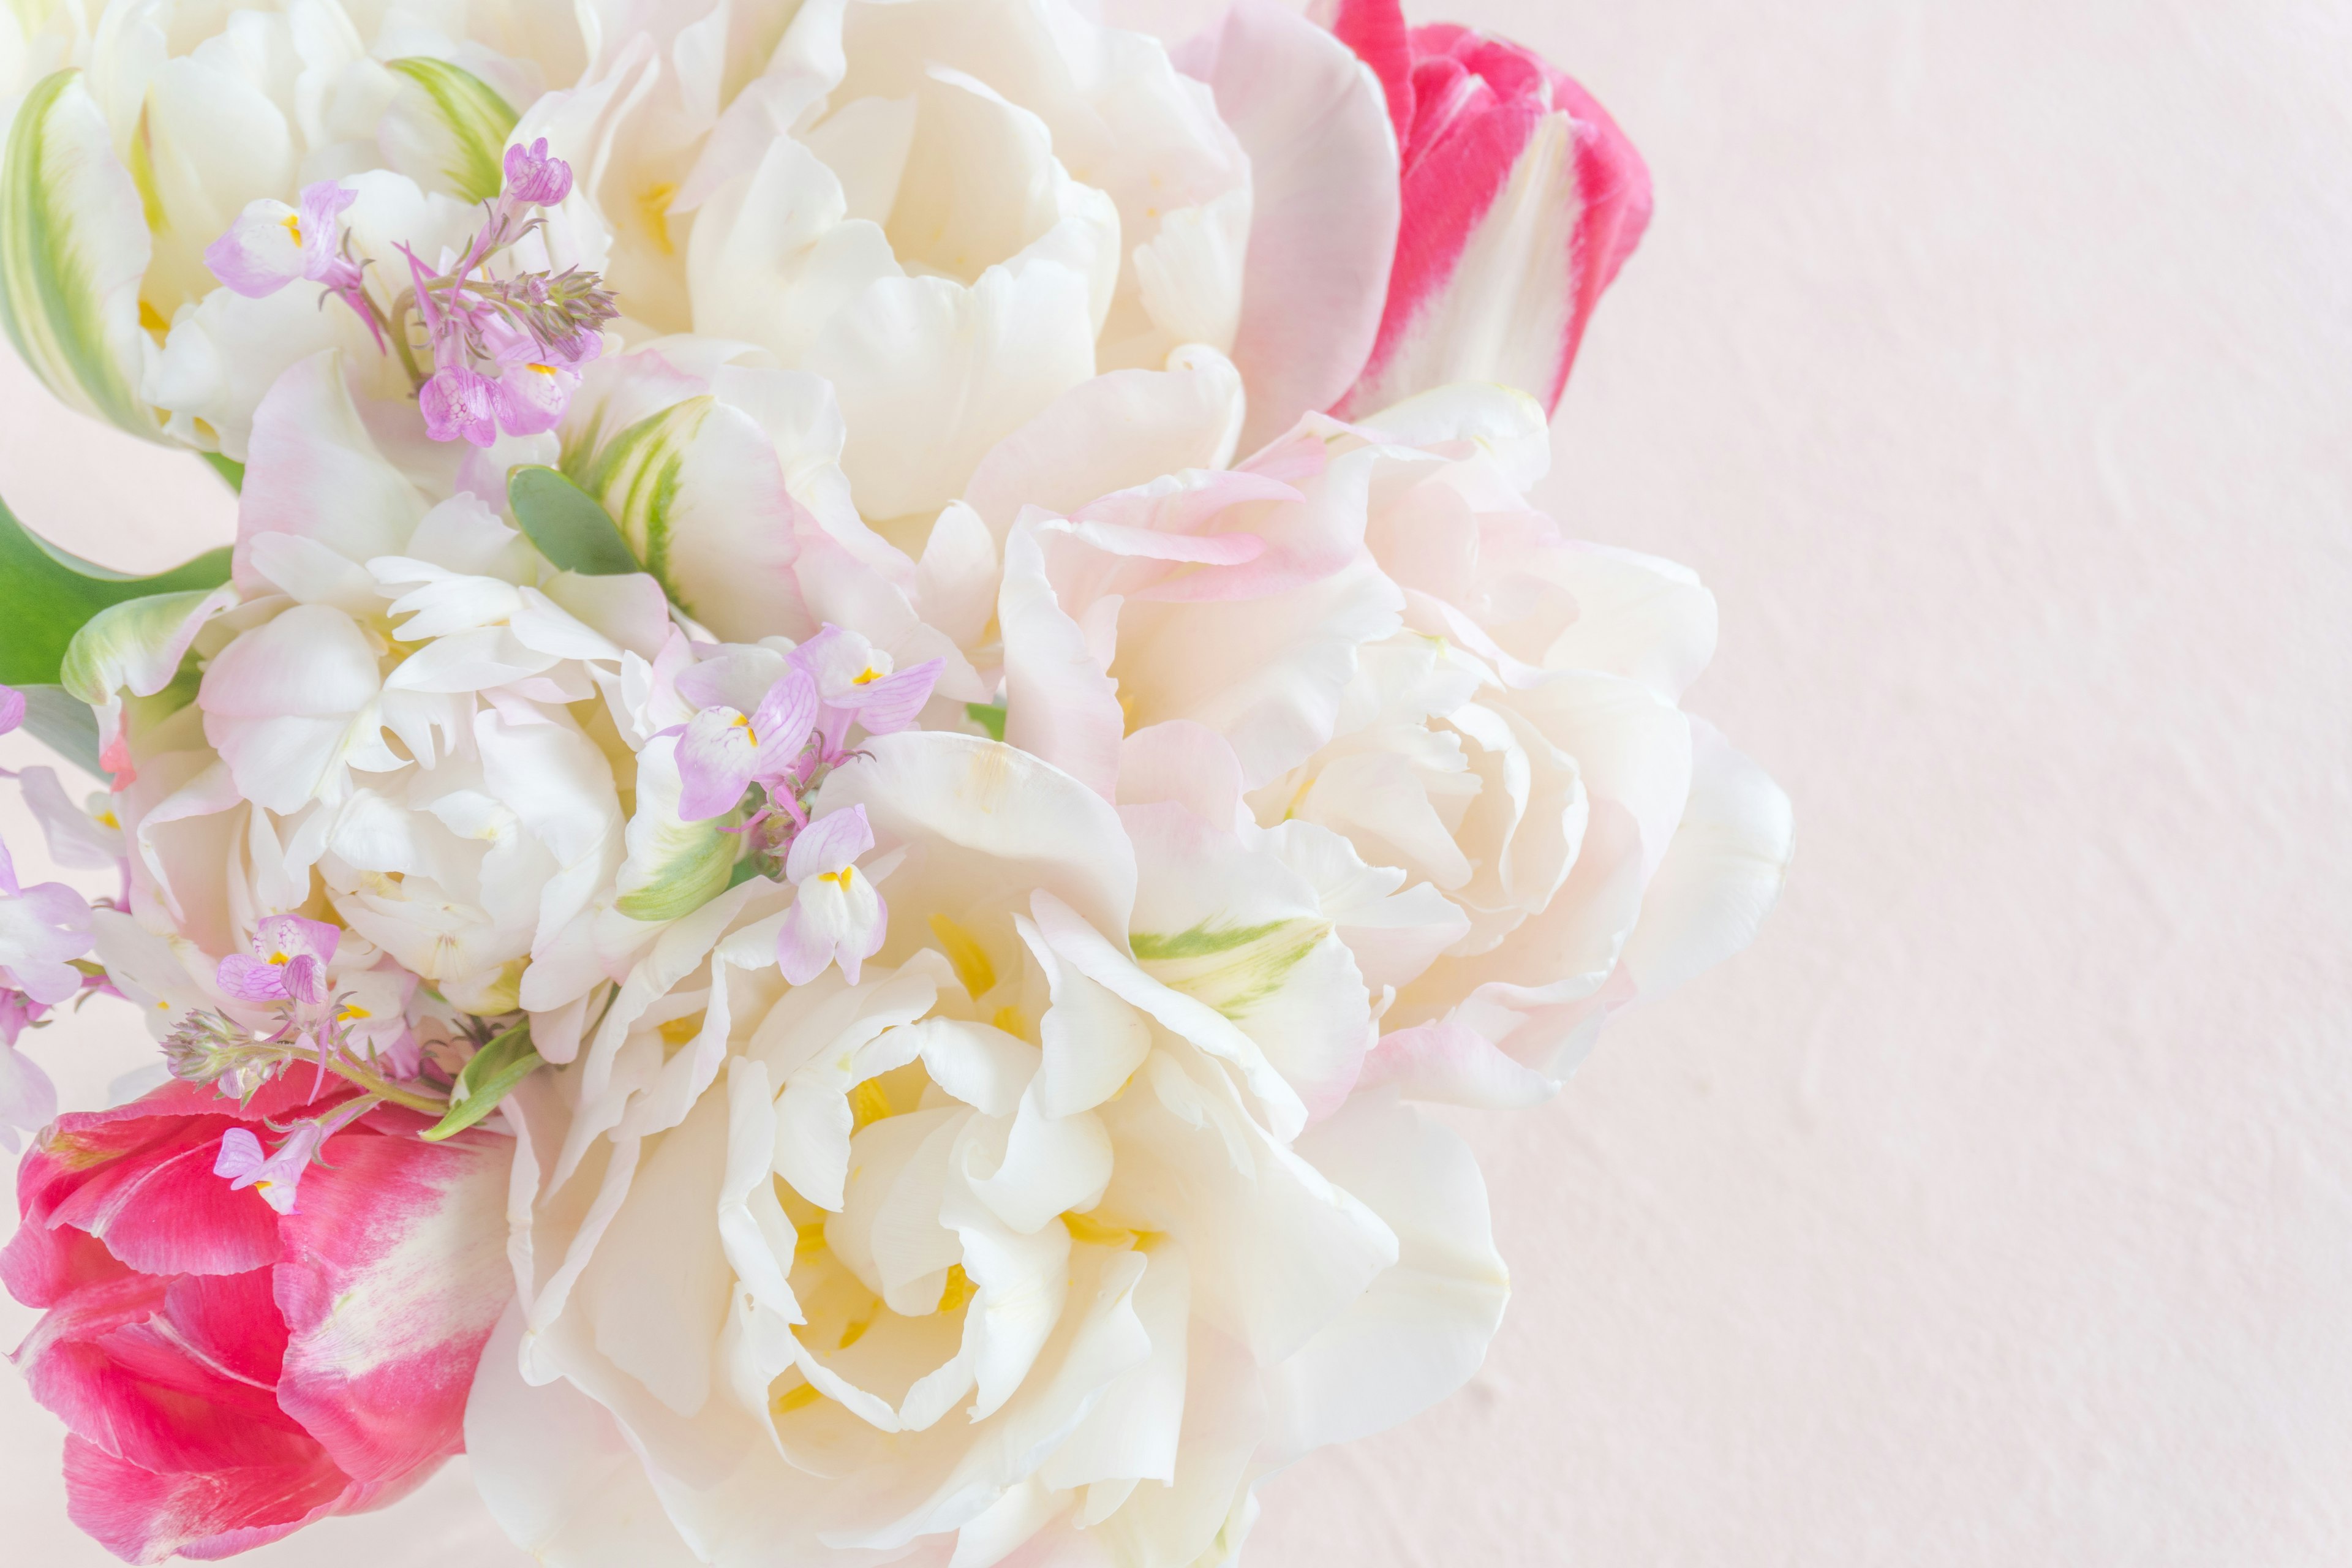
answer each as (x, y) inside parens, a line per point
(888, 696)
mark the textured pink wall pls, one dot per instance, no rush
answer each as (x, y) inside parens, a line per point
(1993, 362)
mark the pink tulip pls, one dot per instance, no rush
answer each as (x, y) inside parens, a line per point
(1522, 200)
(229, 1374)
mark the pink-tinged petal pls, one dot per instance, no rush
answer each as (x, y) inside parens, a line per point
(1061, 706)
(240, 1154)
(716, 759)
(457, 405)
(888, 705)
(12, 708)
(166, 1213)
(829, 845)
(530, 397)
(42, 930)
(1453, 1063)
(250, 979)
(261, 252)
(281, 937)
(143, 1517)
(395, 1273)
(40, 1267)
(1326, 208)
(532, 176)
(313, 470)
(781, 725)
(306, 980)
(322, 210)
(802, 946)
(1375, 29)
(9, 886)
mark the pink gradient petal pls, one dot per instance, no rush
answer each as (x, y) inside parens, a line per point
(716, 759)
(1324, 171)
(167, 1213)
(829, 844)
(888, 705)
(396, 1274)
(250, 979)
(785, 716)
(144, 1517)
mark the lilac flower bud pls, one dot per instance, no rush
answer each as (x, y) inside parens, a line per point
(532, 176)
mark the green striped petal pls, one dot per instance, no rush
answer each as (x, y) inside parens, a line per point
(1233, 968)
(73, 248)
(673, 867)
(459, 123)
(638, 475)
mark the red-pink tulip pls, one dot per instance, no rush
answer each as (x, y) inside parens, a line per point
(228, 1374)
(1521, 199)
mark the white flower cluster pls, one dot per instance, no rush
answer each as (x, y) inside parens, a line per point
(987, 856)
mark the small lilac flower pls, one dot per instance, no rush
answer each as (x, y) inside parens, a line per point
(836, 914)
(271, 244)
(535, 380)
(277, 1177)
(27, 1098)
(856, 685)
(12, 708)
(459, 401)
(289, 962)
(534, 178)
(723, 751)
(42, 930)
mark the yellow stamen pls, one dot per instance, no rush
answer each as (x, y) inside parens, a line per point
(867, 677)
(868, 1104)
(678, 1031)
(959, 1289)
(653, 207)
(854, 1329)
(293, 221)
(1083, 1227)
(838, 878)
(964, 952)
(808, 1243)
(799, 1398)
(1007, 1018)
(108, 819)
(354, 1010)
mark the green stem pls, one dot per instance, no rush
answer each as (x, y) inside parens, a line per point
(346, 1068)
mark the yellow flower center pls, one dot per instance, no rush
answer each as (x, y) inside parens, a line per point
(867, 677)
(838, 878)
(293, 221)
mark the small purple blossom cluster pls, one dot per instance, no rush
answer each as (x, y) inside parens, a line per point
(287, 973)
(505, 347)
(797, 734)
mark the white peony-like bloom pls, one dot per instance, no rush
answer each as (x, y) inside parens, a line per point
(399, 722)
(957, 210)
(1056, 1229)
(145, 129)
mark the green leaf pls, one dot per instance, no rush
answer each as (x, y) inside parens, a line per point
(74, 248)
(231, 471)
(472, 116)
(486, 1079)
(47, 595)
(989, 716)
(567, 523)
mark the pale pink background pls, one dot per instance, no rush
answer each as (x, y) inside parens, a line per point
(1993, 361)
